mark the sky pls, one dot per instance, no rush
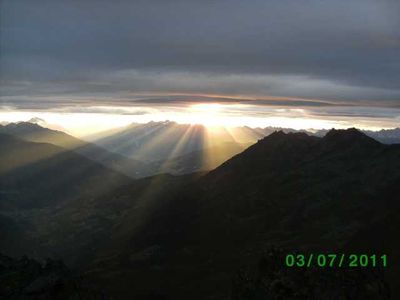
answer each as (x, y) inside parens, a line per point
(90, 65)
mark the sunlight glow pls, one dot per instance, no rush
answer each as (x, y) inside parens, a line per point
(88, 121)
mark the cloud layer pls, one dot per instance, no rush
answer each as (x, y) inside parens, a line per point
(288, 53)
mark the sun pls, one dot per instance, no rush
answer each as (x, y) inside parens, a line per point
(208, 114)
(206, 107)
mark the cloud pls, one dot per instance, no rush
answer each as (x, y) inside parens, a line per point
(279, 53)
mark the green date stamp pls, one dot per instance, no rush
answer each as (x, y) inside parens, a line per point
(336, 260)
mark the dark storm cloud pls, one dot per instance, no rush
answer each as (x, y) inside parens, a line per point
(340, 51)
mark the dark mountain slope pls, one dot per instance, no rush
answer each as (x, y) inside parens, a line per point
(381, 237)
(185, 237)
(37, 181)
(35, 175)
(29, 279)
(299, 192)
(277, 152)
(35, 133)
(56, 203)
(302, 176)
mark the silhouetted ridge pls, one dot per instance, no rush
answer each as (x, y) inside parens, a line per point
(279, 143)
(277, 152)
(277, 133)
(344, 140)
(350, 135)
(25, 127)
(281, 152)
(290, 137)
(35, 133)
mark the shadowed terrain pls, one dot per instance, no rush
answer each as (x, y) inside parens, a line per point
(35, 133)
(180, 237)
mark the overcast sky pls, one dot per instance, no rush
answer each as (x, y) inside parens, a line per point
(317, 55)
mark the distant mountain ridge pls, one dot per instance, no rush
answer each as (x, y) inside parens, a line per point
(36, 133)
(141, 150)
(47, 175)
(160, 141)
(385, 136)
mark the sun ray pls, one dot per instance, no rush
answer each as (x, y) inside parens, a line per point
(191, 134)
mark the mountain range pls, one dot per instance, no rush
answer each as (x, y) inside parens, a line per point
(141, 150)
(157, 148)
(35, 133)
(190, 236)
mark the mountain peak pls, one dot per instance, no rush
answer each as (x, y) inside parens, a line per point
(347, 134)
(346, 137)
(280, 135)
(36, 120)
(348, 131)
(277, 133)
(25, 125)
